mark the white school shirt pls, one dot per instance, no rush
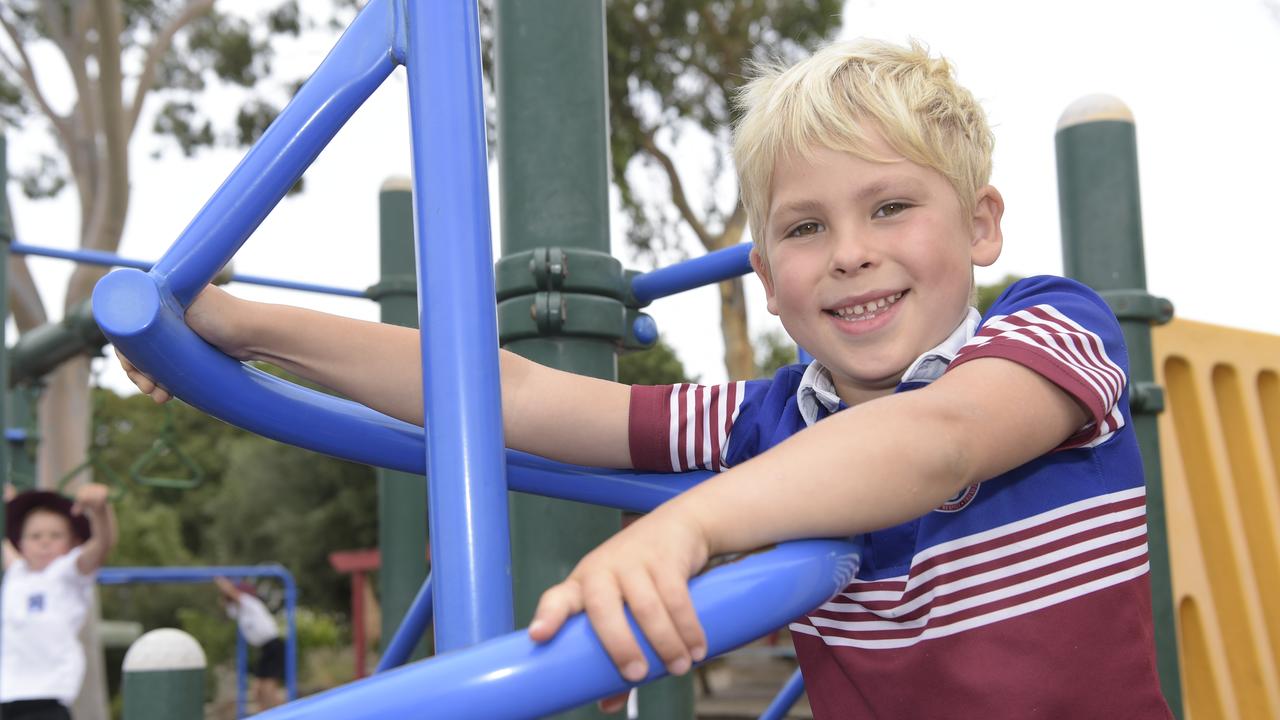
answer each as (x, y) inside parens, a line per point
(254, 619)
(40, 652)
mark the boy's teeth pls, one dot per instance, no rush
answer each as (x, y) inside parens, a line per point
(866, 310)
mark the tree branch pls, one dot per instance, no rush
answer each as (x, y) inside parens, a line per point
(159, 48)
(677, 188)
(23, 68)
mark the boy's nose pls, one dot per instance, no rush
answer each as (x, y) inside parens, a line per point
(850, 253)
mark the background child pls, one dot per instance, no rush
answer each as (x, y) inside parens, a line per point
(990, 459)
(52, 549)
(258, 626)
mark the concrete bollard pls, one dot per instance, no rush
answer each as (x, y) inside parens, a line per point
(164, 677)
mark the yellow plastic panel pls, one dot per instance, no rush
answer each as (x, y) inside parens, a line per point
(1219, 439)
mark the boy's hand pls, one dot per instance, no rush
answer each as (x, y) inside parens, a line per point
(646, 566)
(213, 316)
(91, 497)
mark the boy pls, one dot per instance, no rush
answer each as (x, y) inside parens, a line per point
(258, 626)
(990, 459)
(51, 553)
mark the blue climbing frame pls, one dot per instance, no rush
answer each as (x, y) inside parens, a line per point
(492, 672)
(137, 575)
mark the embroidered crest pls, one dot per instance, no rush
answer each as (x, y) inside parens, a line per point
(959, 501)
(35, 602)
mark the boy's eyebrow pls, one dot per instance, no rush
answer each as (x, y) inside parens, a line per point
(878, 187)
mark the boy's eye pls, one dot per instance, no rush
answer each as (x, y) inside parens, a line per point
(804, 228)
(891, 209)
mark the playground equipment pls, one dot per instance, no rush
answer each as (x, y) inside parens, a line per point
(134, 575)
(142, 314)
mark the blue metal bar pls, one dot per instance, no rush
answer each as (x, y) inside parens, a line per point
(410, 630)
(15, 434)
(786, 698)
(130, 575)
(710, 268)
(357, 65)
(511, 677)
(97, 257)
(459, 337)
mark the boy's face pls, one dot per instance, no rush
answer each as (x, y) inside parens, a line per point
(46, 536)
(870, 264)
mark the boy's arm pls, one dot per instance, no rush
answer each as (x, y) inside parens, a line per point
(91, 500)
(867, 468)
(228, 590)
(567, 417)
(9, 552)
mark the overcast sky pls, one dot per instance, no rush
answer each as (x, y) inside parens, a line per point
(1198, 76)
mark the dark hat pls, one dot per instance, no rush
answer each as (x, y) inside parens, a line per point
(17, 509)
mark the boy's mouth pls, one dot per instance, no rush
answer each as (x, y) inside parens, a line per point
(866, 309)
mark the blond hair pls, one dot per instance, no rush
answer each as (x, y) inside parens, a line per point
(843, 94)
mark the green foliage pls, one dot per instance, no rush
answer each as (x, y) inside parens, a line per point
(658, 365)
(677, 64)
(214, 48)
(774, 351)
(987, 294)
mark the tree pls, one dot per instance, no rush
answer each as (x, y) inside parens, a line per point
(658, 365)
(674, 66)
(123, 57)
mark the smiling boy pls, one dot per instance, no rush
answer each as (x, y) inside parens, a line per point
(989, 459)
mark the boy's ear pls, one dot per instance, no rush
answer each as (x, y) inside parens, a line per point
(987, 239)
(761, 266)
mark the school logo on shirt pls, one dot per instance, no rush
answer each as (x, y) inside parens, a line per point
(959, 501)
(35, 603)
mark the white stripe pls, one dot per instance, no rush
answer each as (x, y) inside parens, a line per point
(1103, 359)
(1059, 331)
(942, 609)
(1116, 422)
(1057, 355)
(980, 620)
(1023, 524)
(690, 427)
(707, 448)
(722, 438)
(965, 582)
(1066, 327)
(673, 406)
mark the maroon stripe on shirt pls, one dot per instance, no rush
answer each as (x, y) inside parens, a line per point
(1011, 538)
(700, 454)
(649, 436)
(995, 584)
(1084, 348)
(997, 606)
(714, 424)
(681, 423)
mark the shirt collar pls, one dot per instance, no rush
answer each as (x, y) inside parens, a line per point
(817, 390)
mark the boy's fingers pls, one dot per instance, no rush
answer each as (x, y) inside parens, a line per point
(603, 602)
(555, 606)
(675, 593)
(649, 608)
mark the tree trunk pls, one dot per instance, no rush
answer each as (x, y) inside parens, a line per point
(64, 424)
(739, 356)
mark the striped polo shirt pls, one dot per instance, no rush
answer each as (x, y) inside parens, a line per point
(1024, 596)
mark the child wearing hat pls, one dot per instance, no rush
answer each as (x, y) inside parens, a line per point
(52, 548)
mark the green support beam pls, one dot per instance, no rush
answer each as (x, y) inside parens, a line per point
(402, 497)
(553, 148)
(1102, 247)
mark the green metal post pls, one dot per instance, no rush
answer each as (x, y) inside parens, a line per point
(402, 497)
(1102, 247)
(553, 149)
(164, 677)
(21, 404)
